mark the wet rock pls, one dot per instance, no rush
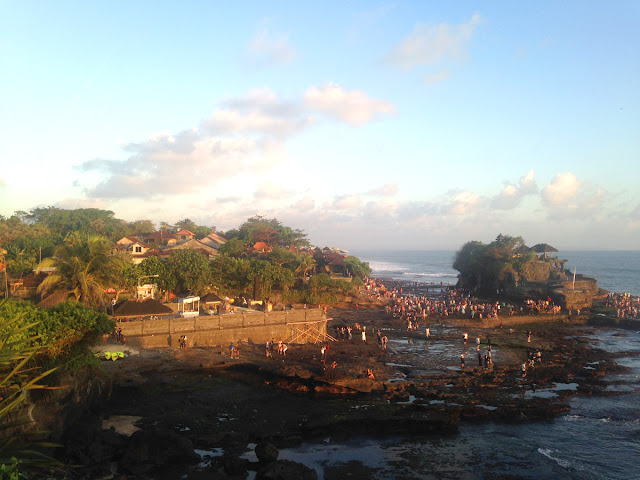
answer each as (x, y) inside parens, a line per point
(235, 466)
(286, 470)
(266, 452)
(157, 447)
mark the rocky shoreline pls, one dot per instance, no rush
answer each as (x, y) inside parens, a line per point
(197, 412)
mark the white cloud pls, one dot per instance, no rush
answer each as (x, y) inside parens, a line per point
(74, 203)
(305, 205)
(462, 203)
(436, 77)
(562, 189)
(353, 107)
(269, 190)
(387, 190)
(567, 198)
(247, 133)
(431, 45)
(232, 199)
(346, 202)
(270, 48)
(511, 195)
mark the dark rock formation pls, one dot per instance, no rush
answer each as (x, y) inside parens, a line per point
(157, 447)
(266, 452)
(286, 470)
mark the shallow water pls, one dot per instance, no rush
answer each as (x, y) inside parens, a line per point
(598, 439)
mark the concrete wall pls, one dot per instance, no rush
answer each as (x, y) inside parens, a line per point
(211, 330)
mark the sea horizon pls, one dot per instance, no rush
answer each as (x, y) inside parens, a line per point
(614, 270)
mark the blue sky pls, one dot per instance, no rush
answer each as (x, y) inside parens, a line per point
(368, 125)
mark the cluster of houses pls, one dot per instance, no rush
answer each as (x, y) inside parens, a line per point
(162, 243)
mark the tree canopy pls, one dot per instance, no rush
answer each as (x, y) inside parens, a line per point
(82, 266)
(269, 231)
(495, 266)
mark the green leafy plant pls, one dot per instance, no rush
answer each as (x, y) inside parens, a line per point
(18, 347)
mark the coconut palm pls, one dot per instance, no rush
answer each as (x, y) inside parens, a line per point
(83, 267)
(305, 264)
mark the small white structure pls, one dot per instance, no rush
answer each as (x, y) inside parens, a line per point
(189, 306)
(148, 290)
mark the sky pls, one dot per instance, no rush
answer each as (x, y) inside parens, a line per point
(369, 125)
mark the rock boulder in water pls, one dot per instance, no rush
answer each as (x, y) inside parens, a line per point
(266, 452)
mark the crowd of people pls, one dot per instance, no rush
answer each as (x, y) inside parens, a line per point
(420, 308)
(626, 305)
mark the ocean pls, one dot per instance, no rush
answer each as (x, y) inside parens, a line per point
(616, 271)
(598, 439)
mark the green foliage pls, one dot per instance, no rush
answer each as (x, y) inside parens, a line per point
(269, 275)
(231, 275)
(138, 227)
(305, 264)
(166, 281)
(282, 257)
(84, 267)
(270, 231)
(18, 347)
(320, 289)
(11, 471)
(490, 267)
(191, 271)
(64, 334)
(357, 267)
(234, 247)
(88, 221)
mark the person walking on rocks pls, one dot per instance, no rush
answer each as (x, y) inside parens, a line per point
(428, 332)
(465, 337)
(364, 336)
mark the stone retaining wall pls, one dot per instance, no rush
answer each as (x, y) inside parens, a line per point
(211, 330)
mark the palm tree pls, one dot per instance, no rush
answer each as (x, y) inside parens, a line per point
(84, 267)
(305, 263)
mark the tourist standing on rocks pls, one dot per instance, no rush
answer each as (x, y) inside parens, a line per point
(462, 356)
(364, 336)
(465, 337)
(428, 332)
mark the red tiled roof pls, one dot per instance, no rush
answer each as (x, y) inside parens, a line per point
(157, 236)
(141, 243)
(261, 246)
(184, 231)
